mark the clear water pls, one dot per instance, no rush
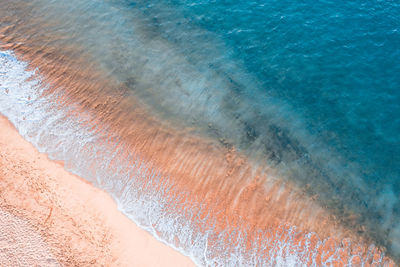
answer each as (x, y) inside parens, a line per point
(333, 65)
(310, 88)
(314, 85)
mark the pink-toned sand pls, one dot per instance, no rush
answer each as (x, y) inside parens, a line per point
(49, 217)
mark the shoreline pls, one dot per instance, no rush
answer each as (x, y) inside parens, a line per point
(254, 199)
(39, 193)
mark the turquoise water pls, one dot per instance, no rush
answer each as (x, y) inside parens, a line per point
(315, 84)
(334, 63)
(310, 88)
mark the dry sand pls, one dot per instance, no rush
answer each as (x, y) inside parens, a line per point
(49, 217)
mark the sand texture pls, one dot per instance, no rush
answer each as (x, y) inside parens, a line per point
(49, 217)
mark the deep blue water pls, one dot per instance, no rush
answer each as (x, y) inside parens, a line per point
(336, 63)
(333, 65)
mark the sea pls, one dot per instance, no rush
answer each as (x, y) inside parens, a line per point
(241, 133)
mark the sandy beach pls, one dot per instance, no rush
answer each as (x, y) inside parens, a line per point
(50, 217)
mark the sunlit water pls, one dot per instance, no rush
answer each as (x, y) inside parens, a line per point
(310, 89)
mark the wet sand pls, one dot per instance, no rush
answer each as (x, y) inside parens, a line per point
(255, 202)
(50, 217)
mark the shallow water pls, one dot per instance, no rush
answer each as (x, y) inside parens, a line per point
(308, 90)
